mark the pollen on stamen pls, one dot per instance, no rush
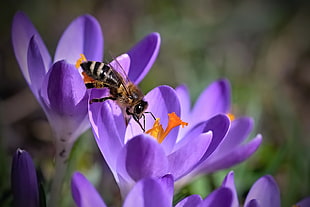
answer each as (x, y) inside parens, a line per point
(80, 60)
(159, 133)
(231, 116)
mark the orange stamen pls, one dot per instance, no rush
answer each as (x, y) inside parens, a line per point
(231, 116)
(159, 133)
(80, 60)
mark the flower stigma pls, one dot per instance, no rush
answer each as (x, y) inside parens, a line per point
(159, 133)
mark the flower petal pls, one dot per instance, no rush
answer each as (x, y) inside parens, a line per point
(83, 192)
(237, 133)
(143, 56)
(142, 157)
(265, 190)
(108, 127)
(162, 100)
(239, 154)
(121, 64)
(304, 202)
(229, 182)
(148, 192)
(82, 36)
(213, 100)
(36, 68)
(186, 157)
(65, 98)
(190, 201)
(184, 98)
(24, 180)
(22, 31)
(220, 197)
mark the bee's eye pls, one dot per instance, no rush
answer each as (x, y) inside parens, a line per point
(139, 108)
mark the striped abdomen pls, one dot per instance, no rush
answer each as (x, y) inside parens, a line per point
(102, 72)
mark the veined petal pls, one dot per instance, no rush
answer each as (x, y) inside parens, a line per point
(239, 154)
(213, 100)
(22, 31)
(82, 36)
(229, 182)
(184, 97)
(218, 198)
(265, 190)
(24, 180)
(83, 192)
(142, 157)
(36, 67)
(143, 56)
(149, 192)
(186, 157)
(190, 201)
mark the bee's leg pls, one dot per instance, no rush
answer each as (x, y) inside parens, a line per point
(136, 119)
(90, 85)
(101, 99)
(151, 114)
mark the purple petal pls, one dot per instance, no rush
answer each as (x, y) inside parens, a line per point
(143, 56)
(184, 98)
(142, 157)
(239, 154)
(254, 203)
(238, 132)
(167, 183)
(24, 180)
(214, 100)
(82, 36)
(304, 202)
(108, 127)
(36, 66)
(162, 100)
(190, 201)
(121, 64)
(148, 192)
(65, 98)
(220, 197)
(265, 190)
(83, 192)
(186, 157)
(229, 182)
(22, 31)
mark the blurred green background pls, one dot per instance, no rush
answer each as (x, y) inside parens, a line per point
(262, 47)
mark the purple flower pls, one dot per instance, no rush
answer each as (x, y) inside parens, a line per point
(24, 180)
(229, 150)
(205, 146)
(147, 192)
(263, 193)
(57, 85)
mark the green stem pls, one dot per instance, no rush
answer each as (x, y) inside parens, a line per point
(63, 150)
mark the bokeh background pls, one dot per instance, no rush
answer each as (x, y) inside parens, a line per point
(262, 47)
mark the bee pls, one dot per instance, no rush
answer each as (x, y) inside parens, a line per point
(127, 95)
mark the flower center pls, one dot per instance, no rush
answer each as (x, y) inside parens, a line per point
(159, 133)
(78, 63)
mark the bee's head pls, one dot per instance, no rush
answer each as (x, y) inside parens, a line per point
(139, 108)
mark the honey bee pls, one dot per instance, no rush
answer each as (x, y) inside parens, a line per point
(127, 95)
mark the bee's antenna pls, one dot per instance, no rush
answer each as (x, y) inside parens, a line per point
(148, 112)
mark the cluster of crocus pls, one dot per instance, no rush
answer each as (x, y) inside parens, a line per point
(147, 192)
(146, 166)
(209, 143)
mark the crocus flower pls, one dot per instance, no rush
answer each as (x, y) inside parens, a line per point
(132, 155)
(147, 192)
(24, 180)
(57, 84)
(231, 149)
(263, 193)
